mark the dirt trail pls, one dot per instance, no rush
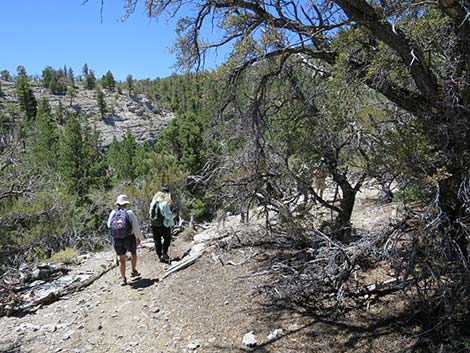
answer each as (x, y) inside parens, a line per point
(202, 308)
(207, 307)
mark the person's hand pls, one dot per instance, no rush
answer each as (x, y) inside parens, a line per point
(138, 242)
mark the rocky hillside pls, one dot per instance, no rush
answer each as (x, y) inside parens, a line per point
(136, 113)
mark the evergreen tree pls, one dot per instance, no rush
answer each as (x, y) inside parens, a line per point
(90, 80)
(5, 75)
(96, 166)
(140, 163)
(101, 103)
(115, 161)
(44, 138)
(71, 94)
(128, 151)
(127, 159)
(59, 113)
(57, 86)
(70, 76)
(107, 81)
(184, 136)
(26, 98)
(81, 162)
(47, 76)
(20, 69)
(130, 84)
(72, 161)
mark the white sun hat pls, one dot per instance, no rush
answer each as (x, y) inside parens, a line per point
(122, 200)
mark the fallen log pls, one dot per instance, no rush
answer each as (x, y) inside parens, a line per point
(51, 297)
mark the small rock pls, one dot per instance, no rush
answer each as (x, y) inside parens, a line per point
(272, 335)
(49, 328)
(67, 336)
(249, 339)
(193, 346)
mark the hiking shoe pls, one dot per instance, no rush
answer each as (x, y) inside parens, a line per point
(123, 281)
(165, 258)
(135, 273)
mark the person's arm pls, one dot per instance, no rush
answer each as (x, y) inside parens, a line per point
(151, 206)
(108, 224)
(135, 225)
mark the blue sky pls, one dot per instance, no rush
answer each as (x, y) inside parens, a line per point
(40, 33)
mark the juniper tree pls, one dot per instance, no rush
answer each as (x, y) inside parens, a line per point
(416, 54)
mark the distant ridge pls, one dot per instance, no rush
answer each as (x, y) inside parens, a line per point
(135, 113)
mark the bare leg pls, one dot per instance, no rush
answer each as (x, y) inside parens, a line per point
(122, 265)
(133, 262)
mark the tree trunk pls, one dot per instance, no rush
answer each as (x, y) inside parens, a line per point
(343, 226)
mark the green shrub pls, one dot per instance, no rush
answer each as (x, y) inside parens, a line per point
(68, 256)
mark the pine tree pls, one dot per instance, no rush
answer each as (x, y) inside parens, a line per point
(44, 138)
(96, 166)
(26, 98)
(85, 70)
(128, 151)
(59, 113)
(101, 103)
(140, 163)
(20, 69)
(107, 81)
(130, 84)
(72, 161)
(47, 76)
(5, 75)
(71, 94)
(115, 161)
(81, 163)
(57, 86)
(70, 76)
(90, 80)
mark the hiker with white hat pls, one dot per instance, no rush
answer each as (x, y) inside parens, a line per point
(126, 235)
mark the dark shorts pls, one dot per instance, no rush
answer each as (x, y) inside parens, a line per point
(125, 244)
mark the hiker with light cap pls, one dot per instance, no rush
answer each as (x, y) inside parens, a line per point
(162, 220)
(126, 235)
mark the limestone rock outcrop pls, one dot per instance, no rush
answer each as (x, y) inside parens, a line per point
(136, 113)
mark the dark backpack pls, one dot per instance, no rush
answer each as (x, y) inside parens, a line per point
(156, 217)
(121, 226)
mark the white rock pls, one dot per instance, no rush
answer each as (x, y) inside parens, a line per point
(192, 346)
(249, 339)
(272, 335)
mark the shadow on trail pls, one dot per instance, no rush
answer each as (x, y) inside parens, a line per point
(143, 283)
